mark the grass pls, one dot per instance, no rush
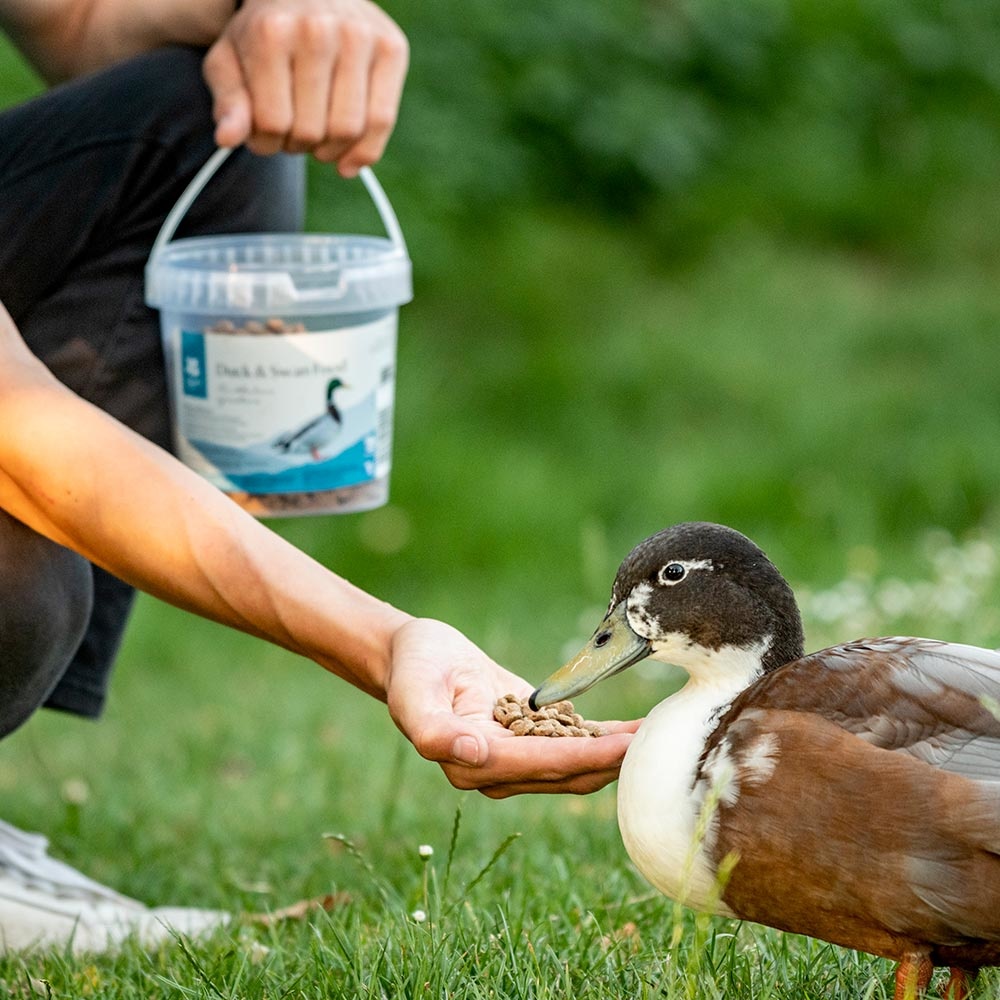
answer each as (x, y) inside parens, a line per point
(563, 391)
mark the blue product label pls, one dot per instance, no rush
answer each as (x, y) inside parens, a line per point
(194, 377)
(296, 412)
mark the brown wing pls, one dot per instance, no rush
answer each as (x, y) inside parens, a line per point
(921, 697)
(866, 803)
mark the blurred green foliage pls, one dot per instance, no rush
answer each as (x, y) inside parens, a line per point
(841, 119)
(825, 118)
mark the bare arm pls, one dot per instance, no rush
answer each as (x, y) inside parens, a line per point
(82, 479)
(70, 472)
(64, 38)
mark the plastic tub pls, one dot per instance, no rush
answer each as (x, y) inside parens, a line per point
(281, 357)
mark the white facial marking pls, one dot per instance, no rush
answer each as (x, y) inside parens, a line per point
(676, 570)
(637, 611)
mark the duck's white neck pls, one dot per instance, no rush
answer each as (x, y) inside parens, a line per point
(658, 805)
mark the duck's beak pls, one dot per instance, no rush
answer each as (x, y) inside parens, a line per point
(614, 647)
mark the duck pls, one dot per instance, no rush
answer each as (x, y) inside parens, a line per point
(851, 795)
(316, 434)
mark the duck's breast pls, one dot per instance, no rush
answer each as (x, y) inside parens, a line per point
(658, 807)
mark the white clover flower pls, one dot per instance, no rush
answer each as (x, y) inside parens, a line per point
(419, 916)
(75, 791)
(425, 850)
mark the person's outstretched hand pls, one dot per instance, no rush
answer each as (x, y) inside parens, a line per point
(441, 691)
(317, 76)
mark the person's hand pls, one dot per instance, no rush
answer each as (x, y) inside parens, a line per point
(441, 690)
(317, 76)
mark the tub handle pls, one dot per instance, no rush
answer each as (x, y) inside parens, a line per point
(212, 164)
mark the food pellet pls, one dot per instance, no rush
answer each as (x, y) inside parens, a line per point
(254, 327)
(560, 719)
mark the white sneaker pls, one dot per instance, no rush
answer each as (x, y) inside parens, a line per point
(44, 904)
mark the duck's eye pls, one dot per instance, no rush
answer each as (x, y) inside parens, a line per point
(673, 573)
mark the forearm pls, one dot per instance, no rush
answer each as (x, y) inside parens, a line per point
(64, 38)
(75, 475)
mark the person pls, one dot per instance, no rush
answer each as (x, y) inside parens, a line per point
(92, 505)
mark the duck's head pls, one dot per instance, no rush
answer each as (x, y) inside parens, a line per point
(332, 386)
(684, 596)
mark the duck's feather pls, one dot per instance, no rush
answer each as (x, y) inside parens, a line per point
(876, 821)
(916, 696)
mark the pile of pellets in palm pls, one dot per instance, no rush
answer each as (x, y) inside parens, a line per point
(559, 719)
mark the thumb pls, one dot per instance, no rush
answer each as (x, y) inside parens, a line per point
(230, 97)
(445, 738)
(437, 733)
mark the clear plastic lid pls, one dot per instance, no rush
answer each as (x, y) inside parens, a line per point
(279, 273)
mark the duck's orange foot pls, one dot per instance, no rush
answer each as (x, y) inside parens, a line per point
(957, 987)
(913, 975)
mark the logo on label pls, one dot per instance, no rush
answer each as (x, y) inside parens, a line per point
(193, 374)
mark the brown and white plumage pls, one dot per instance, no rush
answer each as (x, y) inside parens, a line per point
(856, 788)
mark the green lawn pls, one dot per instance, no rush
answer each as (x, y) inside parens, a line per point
(565, 388)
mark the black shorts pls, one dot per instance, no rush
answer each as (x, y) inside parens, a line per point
(88, 171)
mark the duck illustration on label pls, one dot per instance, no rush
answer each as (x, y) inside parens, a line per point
(316, 435)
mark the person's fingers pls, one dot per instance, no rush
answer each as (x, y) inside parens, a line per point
(347, 114)
(582, 784)
(313, 62)
(388, 63)
(629, 726)
(535, 761)
(230, 97)
(327, 81)
(268, 44)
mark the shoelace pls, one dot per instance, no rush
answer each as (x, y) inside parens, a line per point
(24, 858)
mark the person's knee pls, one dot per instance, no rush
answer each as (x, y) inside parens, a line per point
(46, 597)
(167, 86)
